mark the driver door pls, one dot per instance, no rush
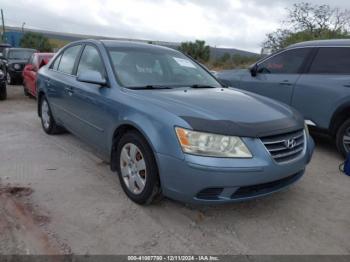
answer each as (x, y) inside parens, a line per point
(277, 75)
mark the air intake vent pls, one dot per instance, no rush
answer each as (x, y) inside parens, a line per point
(210, 193)
(260, 189)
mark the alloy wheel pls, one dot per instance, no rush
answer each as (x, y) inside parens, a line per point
(346, 140)
(133, 168)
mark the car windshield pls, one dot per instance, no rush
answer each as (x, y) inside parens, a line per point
(20, 54)
(141, 67)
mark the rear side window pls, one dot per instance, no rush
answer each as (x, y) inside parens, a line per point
(68, 59)
(288, 62)
(91, 61)
(331, 60)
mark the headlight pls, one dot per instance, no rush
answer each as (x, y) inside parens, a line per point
(17, 66)
(205, 144)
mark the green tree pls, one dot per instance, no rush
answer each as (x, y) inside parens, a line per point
(198, 50)
(36, 41)
(306, 22)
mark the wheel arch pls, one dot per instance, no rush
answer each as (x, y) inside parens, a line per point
(339, 116)
(40, 96)
(119, 132)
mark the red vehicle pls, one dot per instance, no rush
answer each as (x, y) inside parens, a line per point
(35, 62)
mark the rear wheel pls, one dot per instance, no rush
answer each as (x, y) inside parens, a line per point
(47, 121)
(3, 91)
(25, 90)
(343, 138)
(137, 169)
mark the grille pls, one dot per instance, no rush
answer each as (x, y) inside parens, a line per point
(255, 190)
(210, 193)
(285, 147)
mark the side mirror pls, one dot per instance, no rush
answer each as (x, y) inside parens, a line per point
(254, 70)
(92, 77)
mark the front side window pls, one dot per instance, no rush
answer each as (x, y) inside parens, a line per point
(91, 61)
(138, 67)
(331, 60)
(287, 62)
(68, 58)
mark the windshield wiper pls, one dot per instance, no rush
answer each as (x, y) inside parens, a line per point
(202, 86)
(147, 87)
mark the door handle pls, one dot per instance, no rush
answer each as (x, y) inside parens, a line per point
(48, 82)
(286, 83)
(69, 90)
(347, 85)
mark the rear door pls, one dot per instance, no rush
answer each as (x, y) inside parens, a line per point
(60, 84)
(325, 86)
(277, 75)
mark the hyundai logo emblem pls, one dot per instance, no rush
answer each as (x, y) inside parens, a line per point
(290, 143)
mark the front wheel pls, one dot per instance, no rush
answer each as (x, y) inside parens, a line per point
(343, 138)
(137, 169)
(3, 91)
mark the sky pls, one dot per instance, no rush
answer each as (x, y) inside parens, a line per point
(241, 24)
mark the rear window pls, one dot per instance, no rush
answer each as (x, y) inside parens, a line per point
(331, 60)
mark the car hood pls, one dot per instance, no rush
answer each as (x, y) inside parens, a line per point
(226, 111)
(15, 61)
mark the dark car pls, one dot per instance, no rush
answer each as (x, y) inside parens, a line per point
(3, 46)
(14, 60)
(313, 77)
(167, 126)
(3, 91)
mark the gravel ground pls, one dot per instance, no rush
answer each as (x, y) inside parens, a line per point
(73, 203)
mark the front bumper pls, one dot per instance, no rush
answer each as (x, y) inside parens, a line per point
(205, 180)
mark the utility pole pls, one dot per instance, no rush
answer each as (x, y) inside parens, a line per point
(3, 26)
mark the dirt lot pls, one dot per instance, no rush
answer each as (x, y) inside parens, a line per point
(56, 196)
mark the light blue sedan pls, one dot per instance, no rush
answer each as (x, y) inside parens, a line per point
(168, 127)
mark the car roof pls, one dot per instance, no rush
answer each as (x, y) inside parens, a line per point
(323, 43)
(123, 43)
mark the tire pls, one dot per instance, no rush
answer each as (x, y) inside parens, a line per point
(9, 79)
(137, 169)
(343, 138)
(47, 121)
(3, 91)
(25, 90)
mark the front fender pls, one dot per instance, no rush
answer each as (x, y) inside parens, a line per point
(156, 125)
